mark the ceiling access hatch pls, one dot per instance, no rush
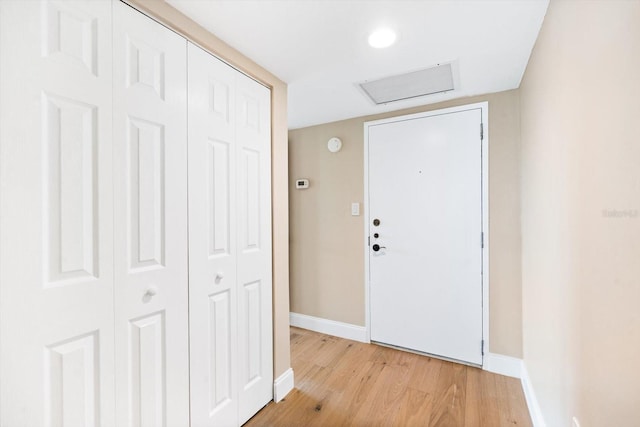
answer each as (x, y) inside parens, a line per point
(410, 85)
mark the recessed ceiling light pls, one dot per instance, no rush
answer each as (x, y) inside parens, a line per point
(382, 37)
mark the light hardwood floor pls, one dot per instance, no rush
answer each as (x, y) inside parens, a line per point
(347, 383)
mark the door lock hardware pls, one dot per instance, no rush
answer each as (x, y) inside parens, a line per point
(377, 247)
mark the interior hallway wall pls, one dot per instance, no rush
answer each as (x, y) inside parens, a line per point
(327, 252)
(580, 121)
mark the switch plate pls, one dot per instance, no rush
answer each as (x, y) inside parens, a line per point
(302, 183)
(355, 209)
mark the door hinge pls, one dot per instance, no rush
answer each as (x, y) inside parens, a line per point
(368, 240)
(482, 347)
(481, 131)
(482, 239)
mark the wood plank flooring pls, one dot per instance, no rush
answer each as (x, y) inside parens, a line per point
(347, 383)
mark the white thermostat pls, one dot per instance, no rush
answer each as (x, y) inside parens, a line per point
(302, 183)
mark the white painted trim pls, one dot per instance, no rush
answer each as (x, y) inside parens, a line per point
(484, 107)
(503, 365)
(485, 224)
(283, 385)
(530, 396)
(516, 368)
(366, 242)
(329, 327)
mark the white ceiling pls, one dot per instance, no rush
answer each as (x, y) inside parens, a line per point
(319, 47)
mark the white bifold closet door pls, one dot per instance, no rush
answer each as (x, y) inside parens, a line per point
(150, 222)
(95, 248)
(93, 213)
(229, 243)
(56, 214)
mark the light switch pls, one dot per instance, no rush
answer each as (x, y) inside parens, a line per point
(355, 209)
(302, 183)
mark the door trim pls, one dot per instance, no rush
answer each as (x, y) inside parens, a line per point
(484, 108)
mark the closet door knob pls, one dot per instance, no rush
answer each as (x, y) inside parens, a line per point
(151, 291)
(219, 276)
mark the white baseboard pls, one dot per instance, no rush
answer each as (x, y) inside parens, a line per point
(532, 402)
(514, 367)
(503, 365)
(283, 385)
(329, 327)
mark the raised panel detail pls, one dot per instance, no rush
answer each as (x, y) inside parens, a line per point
(146, 167)
(70, 33)
(219, 99)
(147, 371)
(218, 197)
(219, 351)
(145, 66)
(250, 113)
(72, 392)
(251, 194)
(253, 333)
(71, 210)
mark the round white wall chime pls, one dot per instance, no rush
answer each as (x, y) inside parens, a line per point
(334, 145)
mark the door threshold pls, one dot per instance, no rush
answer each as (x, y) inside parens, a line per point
(422, 353)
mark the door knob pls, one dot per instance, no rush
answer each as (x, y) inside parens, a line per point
(151, 291)
(219, 276)
(376, 222)
(377, 247)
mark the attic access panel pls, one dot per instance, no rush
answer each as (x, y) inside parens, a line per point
(410, 85)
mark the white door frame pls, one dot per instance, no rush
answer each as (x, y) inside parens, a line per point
(484, 108)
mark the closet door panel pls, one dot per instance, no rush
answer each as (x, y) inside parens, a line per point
(253, 136)
(150, 200)
(212, 237)
(56, 312)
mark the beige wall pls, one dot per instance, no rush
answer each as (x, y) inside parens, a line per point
(174, 19)
(327, 258)
(580, 120)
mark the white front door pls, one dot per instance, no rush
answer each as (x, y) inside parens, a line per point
(425, 225)
(150, 222)
(56, 312)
